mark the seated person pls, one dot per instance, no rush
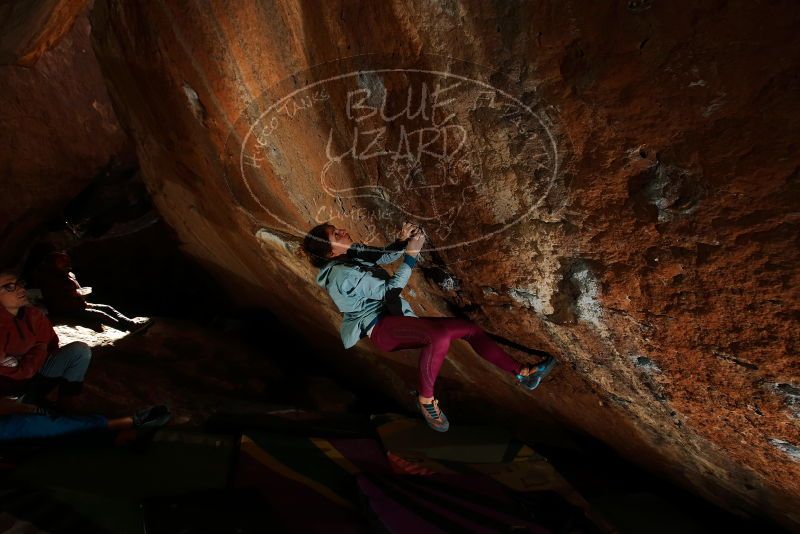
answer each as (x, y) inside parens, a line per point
(31, 361)
(64, 296)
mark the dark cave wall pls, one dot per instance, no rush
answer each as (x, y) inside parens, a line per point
(59, 131)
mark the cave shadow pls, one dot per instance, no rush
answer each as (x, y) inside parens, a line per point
(152, 286)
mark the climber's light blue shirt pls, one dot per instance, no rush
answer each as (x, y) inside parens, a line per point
(358, 293)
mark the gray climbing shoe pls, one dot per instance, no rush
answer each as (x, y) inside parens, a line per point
(434, 416)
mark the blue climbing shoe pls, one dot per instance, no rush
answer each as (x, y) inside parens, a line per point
(537, 374)
(434, 416)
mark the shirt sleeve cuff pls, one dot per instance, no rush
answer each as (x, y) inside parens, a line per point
(409, 260)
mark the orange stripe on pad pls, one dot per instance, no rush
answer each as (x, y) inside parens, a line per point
(253, 450)
(333, 453)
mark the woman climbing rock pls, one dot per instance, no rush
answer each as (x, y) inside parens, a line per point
(372, 306)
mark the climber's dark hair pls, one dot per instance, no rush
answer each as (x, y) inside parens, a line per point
(317, 245)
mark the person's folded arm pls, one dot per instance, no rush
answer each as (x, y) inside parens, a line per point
(371, 287)
(381, 255)
(392, 252)
(5, 371)
(44, 332)
(46, 343)
(30, 362)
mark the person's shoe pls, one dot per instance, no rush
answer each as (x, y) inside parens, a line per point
(532, 380)
(134, 328)
(434, 416)
(152, 417)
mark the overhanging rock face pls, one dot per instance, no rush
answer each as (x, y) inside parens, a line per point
(29, 29)
(616, 185)
(58, 130)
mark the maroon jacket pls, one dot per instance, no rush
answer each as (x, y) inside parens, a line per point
(30, 337)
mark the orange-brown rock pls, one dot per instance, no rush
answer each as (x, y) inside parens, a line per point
(58, 130)
(28, 29)
(614, 183)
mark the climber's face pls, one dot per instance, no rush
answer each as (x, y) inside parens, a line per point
(340, 241)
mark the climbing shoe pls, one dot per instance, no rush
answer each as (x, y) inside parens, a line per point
(152, 417)
(434, 416)
(535, 377)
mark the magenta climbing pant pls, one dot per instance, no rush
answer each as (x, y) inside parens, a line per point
(433, 335)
